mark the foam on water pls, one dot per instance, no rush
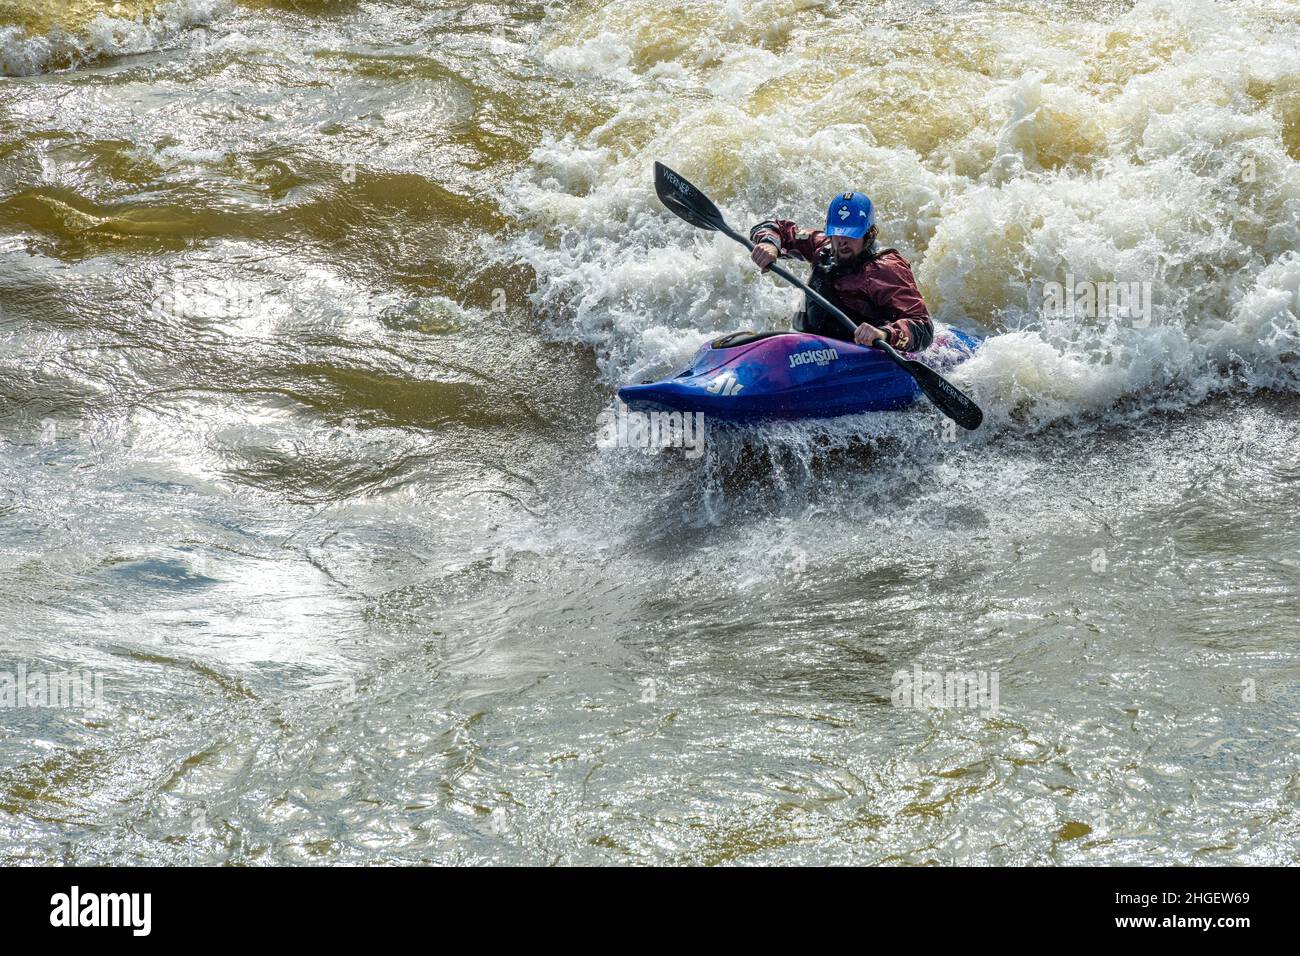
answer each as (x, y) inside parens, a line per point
(62, 40)
(1157, 146)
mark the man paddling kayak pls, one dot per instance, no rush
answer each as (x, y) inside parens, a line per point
(874, 287)
(687, 202)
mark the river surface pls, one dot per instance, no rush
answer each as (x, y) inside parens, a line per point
(309, 308)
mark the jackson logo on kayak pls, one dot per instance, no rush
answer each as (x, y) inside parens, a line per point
(819, 356)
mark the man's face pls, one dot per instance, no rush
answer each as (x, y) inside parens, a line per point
(846, 248)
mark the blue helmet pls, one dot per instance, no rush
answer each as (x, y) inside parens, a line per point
(851, 214)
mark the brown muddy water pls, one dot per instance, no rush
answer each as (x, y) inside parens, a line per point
(307, 313)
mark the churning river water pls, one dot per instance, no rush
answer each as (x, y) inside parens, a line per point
(309, 308)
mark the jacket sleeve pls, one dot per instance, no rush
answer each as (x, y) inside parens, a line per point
(790, 240)
(893, 290)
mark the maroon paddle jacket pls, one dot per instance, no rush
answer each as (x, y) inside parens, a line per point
(877, 288)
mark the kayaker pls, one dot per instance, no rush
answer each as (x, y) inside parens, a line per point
(873, 287)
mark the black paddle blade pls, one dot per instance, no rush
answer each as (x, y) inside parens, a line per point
(949, 399)
(685, 200)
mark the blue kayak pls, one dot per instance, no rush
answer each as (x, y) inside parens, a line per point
(748, 376)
